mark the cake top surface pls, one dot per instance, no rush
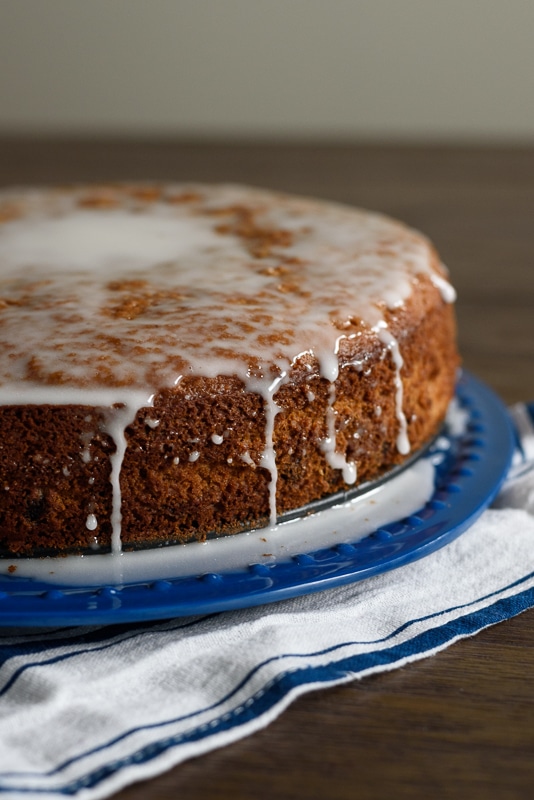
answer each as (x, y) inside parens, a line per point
(136, 286)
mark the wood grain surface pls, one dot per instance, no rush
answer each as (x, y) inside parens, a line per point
(461, 724)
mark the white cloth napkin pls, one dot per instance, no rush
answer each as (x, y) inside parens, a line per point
(86, 711)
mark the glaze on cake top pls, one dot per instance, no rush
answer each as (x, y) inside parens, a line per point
(133, 286)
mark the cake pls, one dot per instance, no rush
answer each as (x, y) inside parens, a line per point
(184, 361)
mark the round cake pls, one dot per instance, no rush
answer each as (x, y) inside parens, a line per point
(182, 361)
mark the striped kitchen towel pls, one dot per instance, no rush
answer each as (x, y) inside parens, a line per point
(85, 711)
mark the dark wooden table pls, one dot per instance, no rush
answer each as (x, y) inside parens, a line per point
(461, 724)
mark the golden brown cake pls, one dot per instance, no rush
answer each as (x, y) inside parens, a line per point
(185, 360)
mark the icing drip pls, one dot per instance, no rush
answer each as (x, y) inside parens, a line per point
(387, 338)
(448, 292)
(117, 420)
(91, 522)
(328, 446)
(268, 456)
(329, 362)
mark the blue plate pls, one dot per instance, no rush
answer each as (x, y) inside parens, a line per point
(473, 466)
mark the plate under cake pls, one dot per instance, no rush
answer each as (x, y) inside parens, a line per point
(183, 360)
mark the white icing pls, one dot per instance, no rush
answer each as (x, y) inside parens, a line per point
(101, 242)
(385, 336)
(246, 457)
(152, 423)
(210, 281)
(457, 418)
(91, 523)
(396, 499)
(457, 421)
(102, 306)
(268, 457)
(334, 458)
(116, 422)
(448, 292)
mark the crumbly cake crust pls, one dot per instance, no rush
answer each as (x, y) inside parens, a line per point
(245, 414)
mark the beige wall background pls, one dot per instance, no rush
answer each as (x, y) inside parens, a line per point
(387, 69)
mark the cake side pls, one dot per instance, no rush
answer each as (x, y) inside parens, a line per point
(221, 486)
